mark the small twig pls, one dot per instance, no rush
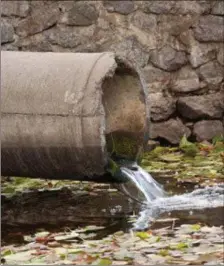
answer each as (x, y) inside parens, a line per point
(173, 224)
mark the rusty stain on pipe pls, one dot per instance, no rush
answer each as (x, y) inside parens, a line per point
(58, 108)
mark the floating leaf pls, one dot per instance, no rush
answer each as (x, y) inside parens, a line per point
(103, 261)
(19, 257)
(62, 256)
(72, 235)
(6, 252)
(172, 157)
(42, 234)
(158, 238)
(142, 235)
(163, 252)
(181, 246)
(90, 228)
(196, 227)
(123, 254)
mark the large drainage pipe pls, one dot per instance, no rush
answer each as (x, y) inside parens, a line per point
(60, 111)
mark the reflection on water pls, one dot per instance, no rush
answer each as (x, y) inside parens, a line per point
(113, 211)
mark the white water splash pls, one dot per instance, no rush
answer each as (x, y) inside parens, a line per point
(157, 201)
(150, 188)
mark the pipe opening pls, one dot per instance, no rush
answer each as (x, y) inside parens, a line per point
(125, 111)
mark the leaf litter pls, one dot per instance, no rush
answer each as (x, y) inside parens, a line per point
(185, 244)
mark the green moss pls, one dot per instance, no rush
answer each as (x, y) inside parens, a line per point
(123, 146)
(112, 167)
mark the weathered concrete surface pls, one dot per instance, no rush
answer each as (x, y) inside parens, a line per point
(57, 110)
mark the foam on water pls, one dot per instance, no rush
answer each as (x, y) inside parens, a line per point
(157, 201)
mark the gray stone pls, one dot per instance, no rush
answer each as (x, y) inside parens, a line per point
(156, 79)
(82, 14)
(41, 19)
(131, 49)
(7, 32)
(192, 7)
(220, 55)
(161, 107)
(66, 38)
(103, 39)
(172, 130)
(15, 8)
(146, 22)
(177, 7)
(210, 28)
(66, 5)
(168, 59)
(9, 47)
(211, 73)
(185, 80)
(34, 43)
(122, 7)
(218, 8)
(173, 42)
(158, 7)
(208, 129)
(203, 106)
(187, 38)
(201, 54)
(175, 24)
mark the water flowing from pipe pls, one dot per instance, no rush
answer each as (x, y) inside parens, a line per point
(150, 188)
(156, 200)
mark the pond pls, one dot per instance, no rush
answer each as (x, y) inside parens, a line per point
(55, 222)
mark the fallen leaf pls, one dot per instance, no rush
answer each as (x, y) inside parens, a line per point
(72, 235)
(142, 235)
(40, 252)
(163, 252)
(196, 227)
(6, 252)
(54, 244)
(41, 239)
(103, 261)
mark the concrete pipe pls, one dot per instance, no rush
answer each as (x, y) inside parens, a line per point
(60, 109)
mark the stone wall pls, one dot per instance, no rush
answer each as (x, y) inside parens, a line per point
(178, 44)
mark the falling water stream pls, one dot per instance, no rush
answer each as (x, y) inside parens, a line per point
(156, 201)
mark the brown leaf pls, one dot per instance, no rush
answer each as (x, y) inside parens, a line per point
(40, 252)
